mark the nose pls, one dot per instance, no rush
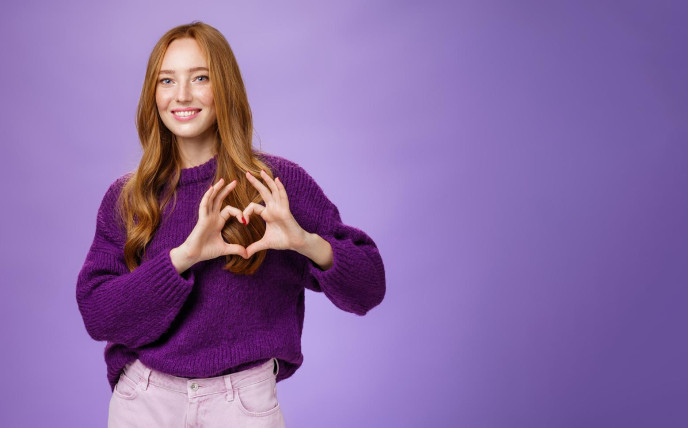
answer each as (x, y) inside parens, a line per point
(184, 92)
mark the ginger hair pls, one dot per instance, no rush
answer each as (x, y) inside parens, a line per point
(160, 167)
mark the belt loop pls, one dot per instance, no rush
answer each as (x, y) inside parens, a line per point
(230, 389)
(145, 378)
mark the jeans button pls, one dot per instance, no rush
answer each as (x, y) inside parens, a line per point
(194, 386)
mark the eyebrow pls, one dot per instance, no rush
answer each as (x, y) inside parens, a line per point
(191, 70)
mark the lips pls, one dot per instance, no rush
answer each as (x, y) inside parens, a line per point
(186, 113)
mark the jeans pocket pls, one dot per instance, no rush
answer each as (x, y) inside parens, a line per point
(126, 387)
(258, 399)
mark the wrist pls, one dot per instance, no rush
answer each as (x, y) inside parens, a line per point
(303, 242)
(317, 249)
(181, 258)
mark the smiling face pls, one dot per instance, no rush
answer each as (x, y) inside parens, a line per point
(184, 93)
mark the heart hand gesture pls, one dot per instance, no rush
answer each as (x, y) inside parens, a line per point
(205, 241)
(282, 232)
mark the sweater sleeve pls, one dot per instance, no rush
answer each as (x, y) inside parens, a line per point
(356, 280)
(130, 308)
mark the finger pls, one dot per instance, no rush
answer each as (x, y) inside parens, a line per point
(271, 184)
(203, 206)
(213, 192)
(255, 247)
(282, 190)
(223, 194)
(250, 209)
(229, 210)
(236, 249)
(264, 192)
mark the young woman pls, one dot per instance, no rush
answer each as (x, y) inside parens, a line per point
(197, 271)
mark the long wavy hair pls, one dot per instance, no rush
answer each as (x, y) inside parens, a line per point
(159, 171)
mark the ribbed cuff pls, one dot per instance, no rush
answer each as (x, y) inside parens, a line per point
(340, 264)
(165, 281)
(350, 283)
(135, 307)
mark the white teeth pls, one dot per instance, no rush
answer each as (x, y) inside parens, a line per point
(185, 113)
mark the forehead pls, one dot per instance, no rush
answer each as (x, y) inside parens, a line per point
(182, 54)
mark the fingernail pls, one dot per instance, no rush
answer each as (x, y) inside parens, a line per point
(243, 221)
(209, 187)
(277, 179)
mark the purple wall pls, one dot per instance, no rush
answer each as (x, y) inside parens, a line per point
(522, 167)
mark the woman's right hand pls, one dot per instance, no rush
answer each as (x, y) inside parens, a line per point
(205, 241)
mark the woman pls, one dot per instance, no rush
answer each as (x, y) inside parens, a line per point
(200, 259)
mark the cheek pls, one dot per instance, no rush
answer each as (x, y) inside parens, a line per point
(206, 97)
(161, 100)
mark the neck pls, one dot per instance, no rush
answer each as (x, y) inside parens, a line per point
(196, 151)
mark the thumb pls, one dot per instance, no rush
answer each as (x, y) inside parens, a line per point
(236, 249)
(255, 247)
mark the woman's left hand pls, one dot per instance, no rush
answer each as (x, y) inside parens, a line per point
(282, 232)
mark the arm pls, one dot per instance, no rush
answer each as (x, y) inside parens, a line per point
(355, 279)
(131, 308)
(317, 249)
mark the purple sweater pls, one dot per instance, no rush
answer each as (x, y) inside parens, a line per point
(208, 321)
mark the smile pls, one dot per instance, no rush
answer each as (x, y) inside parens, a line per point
(185, 114)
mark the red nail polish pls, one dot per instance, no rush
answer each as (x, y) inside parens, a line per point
(243, 221)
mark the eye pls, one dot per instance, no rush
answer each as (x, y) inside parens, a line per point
(202, 78)
(165, 81)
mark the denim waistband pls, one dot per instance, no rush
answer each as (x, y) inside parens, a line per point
(144, 375)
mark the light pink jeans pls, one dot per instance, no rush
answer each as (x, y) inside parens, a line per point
(148, 398)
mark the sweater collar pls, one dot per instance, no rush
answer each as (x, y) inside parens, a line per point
(198, 173)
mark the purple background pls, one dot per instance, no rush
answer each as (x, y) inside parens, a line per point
(522, 167)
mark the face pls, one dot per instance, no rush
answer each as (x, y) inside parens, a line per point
(184, 93)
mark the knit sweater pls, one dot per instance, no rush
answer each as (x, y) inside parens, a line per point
(208, 321)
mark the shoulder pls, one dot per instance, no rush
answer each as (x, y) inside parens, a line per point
(121, 181)
(288, 170)
(279, 164)
(114, 190)
(307, 200)
(109, 224)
